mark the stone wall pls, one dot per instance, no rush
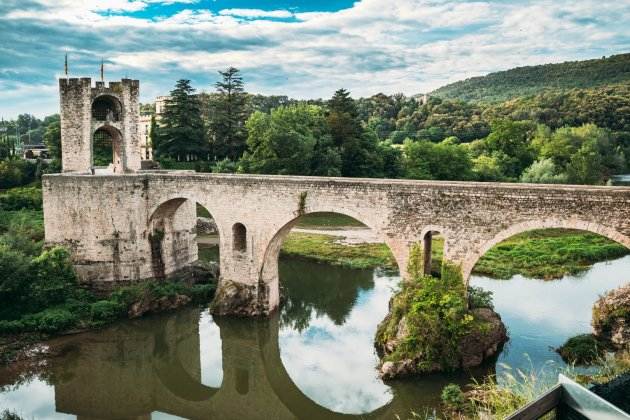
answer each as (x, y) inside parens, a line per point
(78, 126)
(107, 220)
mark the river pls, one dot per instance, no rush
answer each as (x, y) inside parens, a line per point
(314, 359)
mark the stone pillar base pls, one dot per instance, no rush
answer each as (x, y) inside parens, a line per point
(238, 299)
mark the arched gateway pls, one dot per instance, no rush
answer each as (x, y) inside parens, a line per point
(109, 221)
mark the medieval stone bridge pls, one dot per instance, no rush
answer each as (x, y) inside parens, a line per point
(124, 224)
(124, 228)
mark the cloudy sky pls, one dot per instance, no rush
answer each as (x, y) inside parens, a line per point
(299, 48)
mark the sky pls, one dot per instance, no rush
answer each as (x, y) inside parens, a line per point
(303, 49)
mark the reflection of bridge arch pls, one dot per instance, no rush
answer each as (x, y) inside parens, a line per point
(153, 364)
(269, 270)
(284, 387)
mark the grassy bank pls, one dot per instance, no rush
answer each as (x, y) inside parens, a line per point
(327, 249)
(546, 254)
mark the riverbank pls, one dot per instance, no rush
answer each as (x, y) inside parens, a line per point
(545, 254)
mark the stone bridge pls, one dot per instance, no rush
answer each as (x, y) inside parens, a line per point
(124, 224)
(128, 227)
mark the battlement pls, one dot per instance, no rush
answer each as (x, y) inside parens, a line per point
(83, 82)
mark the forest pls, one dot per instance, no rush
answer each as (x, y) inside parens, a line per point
(572, 134)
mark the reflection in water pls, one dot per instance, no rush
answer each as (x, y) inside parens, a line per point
(313, 360)
(541, 315)
(313, 290)
(326, 342)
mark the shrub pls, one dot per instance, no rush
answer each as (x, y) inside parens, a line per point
(584, 349)
(21, 198)
(50, 320)
(54, 278)
(436, 316)
(202, 293)
(107, 310)
(453, 397)
(16, 172)
(479, 298)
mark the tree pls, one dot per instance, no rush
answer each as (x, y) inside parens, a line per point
(441, 161)
(359, 156)
(228, 116)
(509, 142)
(543, 171)
(182, 135)
(284, 142)
(154, 134)
(52, 137)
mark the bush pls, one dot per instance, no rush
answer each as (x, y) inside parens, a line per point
(54, 278)
(584, 349)
(436, 316)
(453, 397)
(50, 320)
(479, 298)
(21, 198)
(106, 310)
(16, 172)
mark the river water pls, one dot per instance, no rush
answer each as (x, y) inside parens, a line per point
(314, 359)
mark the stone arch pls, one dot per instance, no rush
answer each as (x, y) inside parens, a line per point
(171, 232)
(427, 236)
(239, 237)
(107, 108)
(471, 259)
(102, 138)
(268, 273)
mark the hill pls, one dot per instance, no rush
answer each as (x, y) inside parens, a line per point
(530, 80)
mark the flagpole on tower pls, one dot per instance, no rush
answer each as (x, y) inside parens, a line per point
(65, 66)
(102, 71)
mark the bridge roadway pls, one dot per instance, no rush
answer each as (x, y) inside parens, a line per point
(128, 227)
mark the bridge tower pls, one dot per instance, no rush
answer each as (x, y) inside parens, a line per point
(101, 113)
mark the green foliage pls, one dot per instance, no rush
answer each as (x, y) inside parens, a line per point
(479, 298)
(442, 161)
(52, 137)
(228, 114)
(21, 198)
(16, 172)
(543, 171)
(584, 349)
(437, 317)
(287, 141)
(523, 81)
(182, 132)
(547, 254)
(453, 397)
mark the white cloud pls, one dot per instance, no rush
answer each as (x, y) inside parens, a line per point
(410, 46)
(256, 13)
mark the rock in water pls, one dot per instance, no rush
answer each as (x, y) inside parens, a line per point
(611, 317)
(479, 345)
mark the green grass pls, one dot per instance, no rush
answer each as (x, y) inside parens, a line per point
(324, 248)
(545, 254)
(548, 254)
(325, 220)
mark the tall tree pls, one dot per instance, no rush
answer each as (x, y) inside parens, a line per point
(228, 114)
(182, 132)
(359, 156)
